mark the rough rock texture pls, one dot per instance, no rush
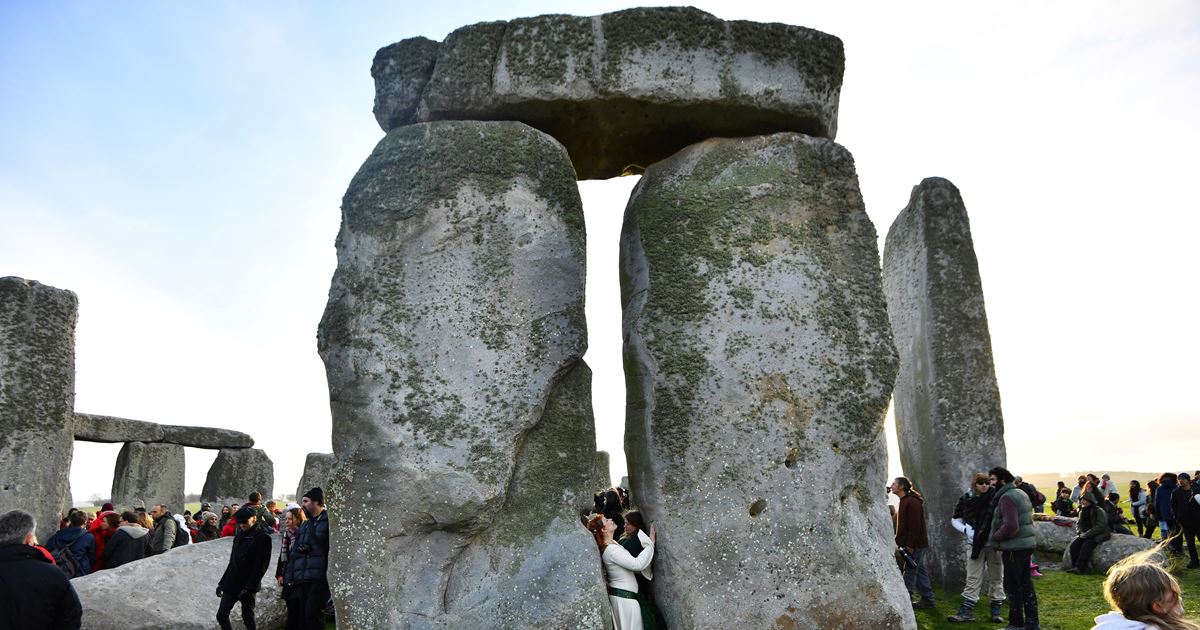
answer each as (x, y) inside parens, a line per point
(1053, 538)
(947, 403)
(317, 467)
(95, 428)
(620, 90)
(149, 474)
(235, 473)
(1110, 551)
(453, 343)
(759, 365)
(601, 477)
(37, 398)
(173, 590)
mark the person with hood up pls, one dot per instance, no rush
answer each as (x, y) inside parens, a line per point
(1167, 526)
(912, 536)
(183, 530)
(34, 594)
(1093, 529)
(77, 541)
(1143, 595)
(248, 562)
(103, 528)
(130, 542)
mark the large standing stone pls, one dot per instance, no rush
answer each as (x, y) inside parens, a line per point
(947, 404)
(173, 590)
(758, 366)
(235, 473)
(149, 474)
(37, 398)
(620, 90)
(453, 343)
(317, 467)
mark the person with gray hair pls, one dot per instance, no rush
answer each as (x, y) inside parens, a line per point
(34, 593)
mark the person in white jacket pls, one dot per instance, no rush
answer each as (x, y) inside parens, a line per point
(1144, 596)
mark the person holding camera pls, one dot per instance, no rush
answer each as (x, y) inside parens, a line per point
(308, 559)
(913, 539)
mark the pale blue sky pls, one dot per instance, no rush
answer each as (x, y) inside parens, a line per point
(180, 167)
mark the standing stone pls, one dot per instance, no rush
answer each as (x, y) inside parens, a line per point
(149, 474)
(317, 467)
(453, 343)
(235, 473)
(602, 477)
(947, 404)
(37, 398)
(759, 366)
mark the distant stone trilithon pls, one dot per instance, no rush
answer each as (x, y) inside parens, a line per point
(149, 474)
(235, 473)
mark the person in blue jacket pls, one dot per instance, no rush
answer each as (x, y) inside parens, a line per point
(1167, 525)
(76, 539)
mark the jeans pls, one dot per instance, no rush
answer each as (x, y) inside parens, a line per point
(227, 602)
(1022, 600)
(916, 577)
(987, 564)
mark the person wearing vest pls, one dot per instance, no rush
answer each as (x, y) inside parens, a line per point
(1012, 535)
(912, 537)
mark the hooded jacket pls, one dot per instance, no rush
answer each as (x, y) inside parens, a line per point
(1162, 500)
(131, 542)
(101, 535)
(35, 594)
(1117, 621)
(80, 543)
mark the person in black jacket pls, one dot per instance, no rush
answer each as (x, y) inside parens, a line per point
(1187, 515)
(972, 516)
(131, 542)
(34, 594)
(248, 562)
(307, 561)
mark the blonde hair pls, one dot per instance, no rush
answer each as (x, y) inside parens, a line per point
(977, 478)
(1137, 582)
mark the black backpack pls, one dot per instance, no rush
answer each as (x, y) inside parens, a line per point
(67, 562)
(182, 535)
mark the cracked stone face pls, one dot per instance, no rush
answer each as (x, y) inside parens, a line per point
(947, 404)
(759, 365)
(462, 425)
(235, 473)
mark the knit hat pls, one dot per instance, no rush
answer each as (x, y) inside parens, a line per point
(107, 507)
(243, 515)
(316, 494)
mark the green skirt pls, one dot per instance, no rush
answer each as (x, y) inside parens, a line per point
(651, 619)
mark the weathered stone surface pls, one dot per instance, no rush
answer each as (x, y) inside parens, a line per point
(206, 437)
(96, 428)
(620, 90)
(173, 590)
(317, 467)
(149, 474)
(601, 477)
(947, 404)
(759, 365)
(37, 398)
(453, 343)
(1110, 551)
(1053, 538)
(235, 473)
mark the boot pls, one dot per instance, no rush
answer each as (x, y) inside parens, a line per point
(995, 612)
(966, 612)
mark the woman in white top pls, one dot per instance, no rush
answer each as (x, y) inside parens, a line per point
(619, 572)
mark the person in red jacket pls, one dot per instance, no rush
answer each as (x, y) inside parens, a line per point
(102, 530)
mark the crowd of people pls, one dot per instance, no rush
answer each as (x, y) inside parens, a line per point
(37, 592)
(996, 516)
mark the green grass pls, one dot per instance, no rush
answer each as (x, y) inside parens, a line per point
(1065, 601)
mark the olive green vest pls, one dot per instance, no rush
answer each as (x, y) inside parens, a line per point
(1024, 539)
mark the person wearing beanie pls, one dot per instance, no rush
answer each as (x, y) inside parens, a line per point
(308, 558)
(1187, 514)
(248, 562)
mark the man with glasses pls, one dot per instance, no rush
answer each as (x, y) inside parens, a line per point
(972, 517)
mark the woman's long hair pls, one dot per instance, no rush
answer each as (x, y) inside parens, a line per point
(1137, 582)
(595, 525)
(908, 487)
(1135, 487)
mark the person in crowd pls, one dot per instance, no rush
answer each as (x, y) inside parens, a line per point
(144, 519)
(248, 562)
(308, 558)
(1167, 527)
(1187, 515)
(75, 540)
(610, 503)
(1107, 486)
(130, 542)
(1078, 489)
(1036, 498)
(183, 532)
(208, 528)
(971, 516)
(266, 520)
(1137, 505)
(1012, 534)
(1063, 505)
(292, 520)
(102, 529)
(1151, 515)
(630, 608)
(912, 536)
(1092, 529)
(225, 514)
(1143, 596)
(34, 594)
(162, 536)
(631, 541)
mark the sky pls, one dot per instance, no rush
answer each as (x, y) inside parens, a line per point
(180, 167)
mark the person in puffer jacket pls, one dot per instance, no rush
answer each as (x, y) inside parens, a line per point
(1144, 596)
(308, 559)
(131, 542)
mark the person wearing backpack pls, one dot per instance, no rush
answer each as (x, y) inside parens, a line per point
(34, 594)
(131, 542)
(73, 547)
(162, 539)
